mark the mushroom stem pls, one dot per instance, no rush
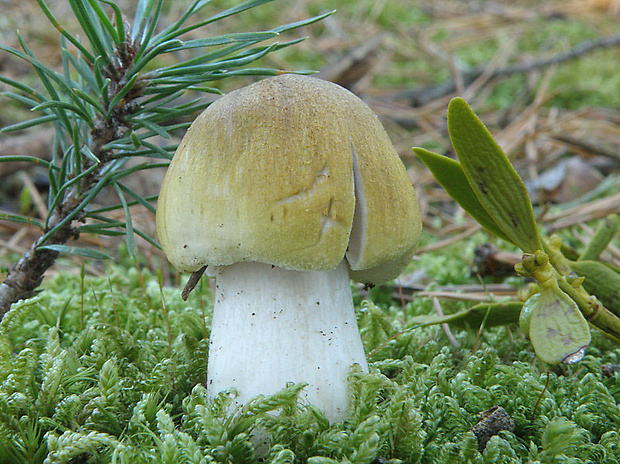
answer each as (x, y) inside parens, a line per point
(272, 326)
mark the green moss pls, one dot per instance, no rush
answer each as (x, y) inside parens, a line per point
(113, 391)
(409, 14)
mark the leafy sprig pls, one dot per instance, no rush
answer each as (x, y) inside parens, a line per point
(486, 185)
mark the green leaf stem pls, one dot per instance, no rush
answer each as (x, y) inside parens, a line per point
(603, 235)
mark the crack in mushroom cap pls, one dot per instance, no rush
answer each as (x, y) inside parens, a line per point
(270, 173)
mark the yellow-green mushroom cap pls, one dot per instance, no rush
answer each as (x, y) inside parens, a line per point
(292, 171)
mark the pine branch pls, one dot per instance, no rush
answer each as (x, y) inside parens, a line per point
(421, 96)
(106, 115)
(27, 274)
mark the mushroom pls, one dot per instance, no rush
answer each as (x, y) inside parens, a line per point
(285, 189)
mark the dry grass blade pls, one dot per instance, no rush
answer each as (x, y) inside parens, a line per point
(446, 328)
(595, 209)
(479, 296)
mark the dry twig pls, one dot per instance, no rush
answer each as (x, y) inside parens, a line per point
(422, 96)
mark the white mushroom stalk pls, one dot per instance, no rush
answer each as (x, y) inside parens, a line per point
(286, 189)
(272, 326)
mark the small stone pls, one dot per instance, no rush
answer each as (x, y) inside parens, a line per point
(493, 421)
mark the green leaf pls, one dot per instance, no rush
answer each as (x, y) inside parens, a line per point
(147, 17)
(152, 23)
(497, 185)
(227, 39)
(86, 201)
(156, 103)
(59, 150)
(65, 185)
(205, 57)
(104, 20)
(107, 223)
(303, 22)
(600, 280)
(90, 100)
(21, 99)
(139, 199)
(64, 54)
(135, 140)
(122, 92)
(87, 252)
(97, 38)
(495, 314)
(322, 460)
(89, 56)
(154, 128)
(21, 220)
(111, 230)
(129, 237)
(604, 234)
(53, 188)
(18, 85)
(118, 19)
(140, 18)
(185, 110)
(78, 156)
(558, 330)
(50, 104)
(65, 166)
(157, 151)
(191, 10)
(449, 173)
(45, 74)
(182, 83)
(153, 53)
(147, 238)
(192, 73)
(122, 173)
(178, 31)
(105, 97)
(195, 105)
(26, 159)
(245, 72)
(30, 123)
(85, 151)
